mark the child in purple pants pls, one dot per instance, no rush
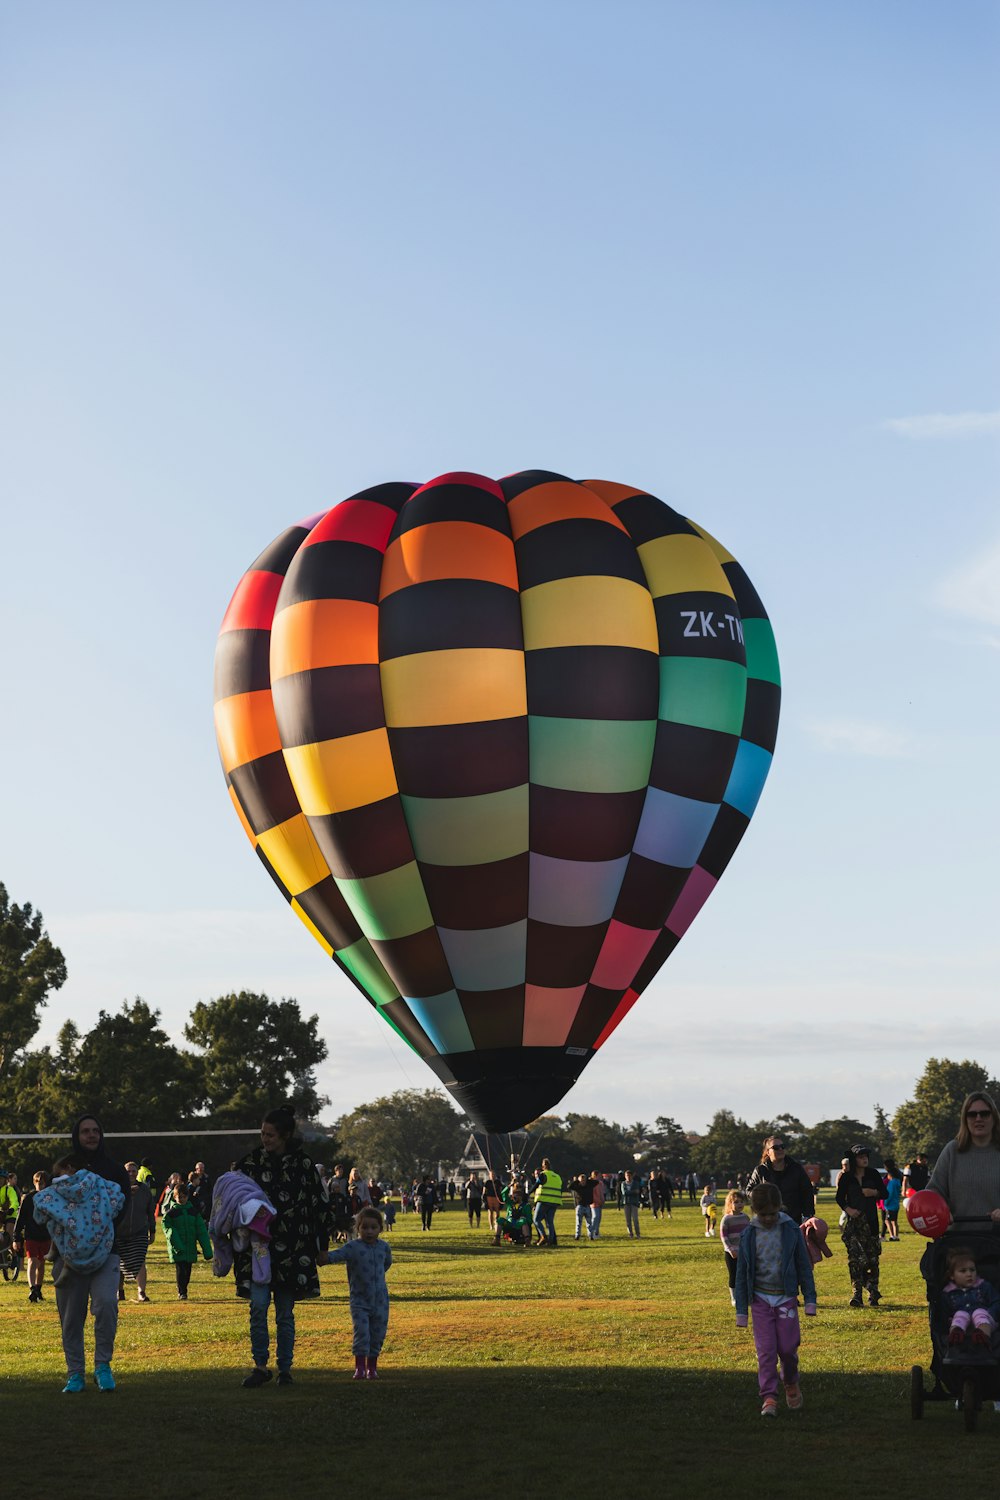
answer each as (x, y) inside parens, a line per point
(771, 1266)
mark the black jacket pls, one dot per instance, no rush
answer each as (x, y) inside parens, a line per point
(798, 1196)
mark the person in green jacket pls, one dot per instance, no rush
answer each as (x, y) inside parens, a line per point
(186, 1232)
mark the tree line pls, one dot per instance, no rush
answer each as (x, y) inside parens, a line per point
(246, 1051)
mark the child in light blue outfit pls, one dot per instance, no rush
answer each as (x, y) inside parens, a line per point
(367, 1259)
(79, 1209)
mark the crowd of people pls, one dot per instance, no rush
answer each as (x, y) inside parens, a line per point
(277, 1216)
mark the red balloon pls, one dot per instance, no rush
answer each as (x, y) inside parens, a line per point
(928, 1213)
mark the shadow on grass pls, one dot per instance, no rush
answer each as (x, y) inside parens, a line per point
(227, 1434)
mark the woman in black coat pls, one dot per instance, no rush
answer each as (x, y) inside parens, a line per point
(798, 1196)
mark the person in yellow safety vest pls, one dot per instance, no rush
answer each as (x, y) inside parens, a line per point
(548, 1197)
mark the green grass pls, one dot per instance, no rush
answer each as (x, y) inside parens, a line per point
(556, 1363)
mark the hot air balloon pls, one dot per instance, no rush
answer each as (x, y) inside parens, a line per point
(496, 742)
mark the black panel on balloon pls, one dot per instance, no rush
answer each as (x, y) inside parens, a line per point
(692, 762)
(272, 872)
(278, 556)
(449, 613)
(460, 760)
(583, 825)
(760, 718)
(333, 570)
(562, 957)
(648, 892)
(471, 897)
(700, 625)
(596, 1009)
(727, 830)
(265, 791)
(495, 1017)
(453, 502)
(328, 703)
(416, 964)
(646, 518)
(529, 479)
(507, 1088)
(324, 905)
(242, 662)
(364, 841)
(401, 1016)
(657, 955)
(593, 682)
(747, 597)
(576, 548)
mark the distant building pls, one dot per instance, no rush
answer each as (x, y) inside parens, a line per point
(485, 1153)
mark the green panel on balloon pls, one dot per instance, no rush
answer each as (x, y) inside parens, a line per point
(389, 906)
(702, 692)
(591, 755)
(762, 653)
(468, 830)
(368, 971)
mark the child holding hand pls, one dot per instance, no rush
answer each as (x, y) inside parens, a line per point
(367, 1259)
(771, 1266)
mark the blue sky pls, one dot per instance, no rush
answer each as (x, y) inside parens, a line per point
(741, 255)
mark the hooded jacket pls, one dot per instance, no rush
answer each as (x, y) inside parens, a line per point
(100, 1163)
(79, 1211)
(796, 1268)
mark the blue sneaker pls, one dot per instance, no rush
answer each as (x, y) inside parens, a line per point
(75, 1383)
(103, 1378)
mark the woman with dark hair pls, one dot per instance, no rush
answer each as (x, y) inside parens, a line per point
(301, 1226)
(798, 1196)
(96, 1289)
(858, 1192)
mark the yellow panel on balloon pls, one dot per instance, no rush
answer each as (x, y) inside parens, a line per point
(336, 775)
(293, 853)
(722, 553)
(588, 611)
(681, 564)
(453, 687)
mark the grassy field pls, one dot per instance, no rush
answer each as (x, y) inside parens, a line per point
(502, 1368)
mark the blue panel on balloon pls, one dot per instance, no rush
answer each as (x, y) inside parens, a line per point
(746, 781)
(443, 1019)
(492, 958)
(574, 892)
(672, 829)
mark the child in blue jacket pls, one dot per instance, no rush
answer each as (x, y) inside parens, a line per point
(367, 1258)
(771, 1266)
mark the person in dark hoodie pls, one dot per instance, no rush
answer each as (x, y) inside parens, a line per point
(798, 1196)
(99, 1289)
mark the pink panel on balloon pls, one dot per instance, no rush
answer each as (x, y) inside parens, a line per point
(622, 951)
(697, 889)
(549, 1014)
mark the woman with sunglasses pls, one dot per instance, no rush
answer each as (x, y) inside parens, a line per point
(798, 1196)
(967, 1175)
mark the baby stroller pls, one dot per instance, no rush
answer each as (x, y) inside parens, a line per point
(968, 1372)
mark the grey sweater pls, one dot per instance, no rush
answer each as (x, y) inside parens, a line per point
(968, 1181)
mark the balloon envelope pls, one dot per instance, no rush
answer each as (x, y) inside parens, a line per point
(497, 742)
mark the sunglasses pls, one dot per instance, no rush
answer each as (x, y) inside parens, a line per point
(777, 1145)
(978, 1114)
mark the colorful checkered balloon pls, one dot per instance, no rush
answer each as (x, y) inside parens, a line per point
(496, 743)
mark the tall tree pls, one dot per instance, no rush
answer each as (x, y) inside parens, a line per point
(830, 1140)
(730, 1145)
(257, 1053)
(125, 1069)
(406, 1133)
(930, 1118)
(30, 967)
(673, 1148)
(594, 1146)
